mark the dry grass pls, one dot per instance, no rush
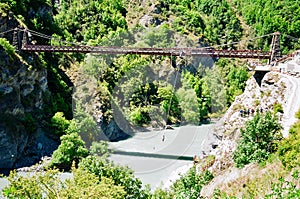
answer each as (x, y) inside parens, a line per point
(256, 182)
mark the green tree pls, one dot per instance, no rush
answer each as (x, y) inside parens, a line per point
(60, 123)
(288, 149)
(89, 21)
(49, 185)
(169, 103)
(189, 105)
(190, 184)
(236, 82)
(139, 115)
(122, 176)
(100, 148)
(84, 124)
(258, 140)
(71, 149)
(267, 17)
(194, 81)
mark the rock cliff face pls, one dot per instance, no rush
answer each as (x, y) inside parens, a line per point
(23, 83)
(261, 93)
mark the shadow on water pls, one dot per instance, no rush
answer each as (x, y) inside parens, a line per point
(152, 155)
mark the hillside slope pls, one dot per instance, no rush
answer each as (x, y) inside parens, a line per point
(276, 88)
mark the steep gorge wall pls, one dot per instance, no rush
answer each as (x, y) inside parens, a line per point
(261, 93)
(23, 85)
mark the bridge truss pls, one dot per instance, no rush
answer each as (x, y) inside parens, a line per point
(211, 51)
(200, 52)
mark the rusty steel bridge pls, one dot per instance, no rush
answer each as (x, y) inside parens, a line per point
(201, 52)
(272, 56)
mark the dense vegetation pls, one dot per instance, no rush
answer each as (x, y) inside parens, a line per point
(259, 139)
(270, 16)
(145, 89)
(213, 21)
(288, 150)
(279, 176)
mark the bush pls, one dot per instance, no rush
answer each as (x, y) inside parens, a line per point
(71, 149)
(9, 49)
(30, 123)
(190, 184)
(140, 115)
(298, 114)
(169, 103)
(277, 108)
(85, 125)
(189, 105)
(100, 148)
(48, 185)
(288, 150)
(122, 176)
(59, 123)
(258, 139)
(160, 193)
(286, 188)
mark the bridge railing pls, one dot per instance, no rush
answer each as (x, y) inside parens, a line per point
(151, 51)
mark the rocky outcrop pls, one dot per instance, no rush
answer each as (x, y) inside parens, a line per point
(23, 83)
(274, 88)
(259, 95)
(152, 18)
(148, 20)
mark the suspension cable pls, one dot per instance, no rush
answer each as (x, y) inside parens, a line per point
(173, 90)
(7, 31)
(291, 37)
(51, 37)
(76, 43)
(227, 44)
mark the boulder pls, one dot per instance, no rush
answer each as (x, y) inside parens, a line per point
(148, 20)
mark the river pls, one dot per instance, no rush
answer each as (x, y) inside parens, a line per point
(156, 157)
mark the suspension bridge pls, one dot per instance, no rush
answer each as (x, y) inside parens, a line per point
(272, 56)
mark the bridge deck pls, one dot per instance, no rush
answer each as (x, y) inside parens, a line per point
(265, 68)
(201, 52)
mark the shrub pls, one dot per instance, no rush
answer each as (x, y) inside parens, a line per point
(288, 150)
(48, 185)
(140, 115)
(298, 114)
(122, 176)
(190, 184)
(286, 188)
(189, 105)
(71, 149)
(258, 139)
(277, 108)
(160, 193)
(85, 125)
(100, 148)
(29, 122)
(169, 103)
(9, 49)
(59, 123)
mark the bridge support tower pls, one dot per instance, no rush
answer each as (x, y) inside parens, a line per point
(275, 48)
